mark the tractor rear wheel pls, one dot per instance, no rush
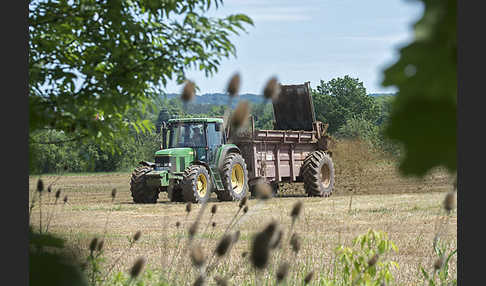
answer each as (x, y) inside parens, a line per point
(318, 174)
(196, 184)
(235, 178)
(141, 192)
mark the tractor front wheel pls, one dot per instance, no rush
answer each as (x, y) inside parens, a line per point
(141, 192)
(196, 184)
(174, 193)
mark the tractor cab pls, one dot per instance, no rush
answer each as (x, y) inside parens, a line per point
(203, 136)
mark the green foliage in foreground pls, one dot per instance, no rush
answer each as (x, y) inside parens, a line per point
(93, 76)
(423, 115)
(440, 272)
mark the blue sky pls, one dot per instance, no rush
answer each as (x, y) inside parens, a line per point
(313, 40)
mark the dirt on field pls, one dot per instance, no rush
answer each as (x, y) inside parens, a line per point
(410, 211)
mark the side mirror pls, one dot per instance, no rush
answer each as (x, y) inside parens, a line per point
(218, 127)
(164, 135)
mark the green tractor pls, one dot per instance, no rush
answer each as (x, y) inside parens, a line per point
(194, 162)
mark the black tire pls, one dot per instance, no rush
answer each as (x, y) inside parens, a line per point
(230, 192)
(141, 192)
(190, 190)
(318, 174)
(174, 193)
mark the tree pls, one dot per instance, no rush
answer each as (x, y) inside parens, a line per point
(423, 114)
(341, 99)
(92, 62)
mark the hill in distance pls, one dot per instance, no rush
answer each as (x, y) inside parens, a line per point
(222, 98)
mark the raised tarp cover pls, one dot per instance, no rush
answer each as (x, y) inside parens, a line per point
(293, 110)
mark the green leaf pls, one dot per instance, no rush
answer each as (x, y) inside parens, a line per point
(424, 112)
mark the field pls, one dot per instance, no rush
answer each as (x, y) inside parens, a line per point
(372, 196)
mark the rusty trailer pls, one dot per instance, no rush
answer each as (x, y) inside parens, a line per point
(300, 153)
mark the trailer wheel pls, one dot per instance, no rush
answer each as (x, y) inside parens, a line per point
(318, 174)
(196, 184)
(141, 192)
(235, 178)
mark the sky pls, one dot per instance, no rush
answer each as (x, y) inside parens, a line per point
(312, 40)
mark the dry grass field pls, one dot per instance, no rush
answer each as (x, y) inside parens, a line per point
(371, 196)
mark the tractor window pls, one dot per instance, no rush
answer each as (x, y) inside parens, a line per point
(187, 135)
(215, 138)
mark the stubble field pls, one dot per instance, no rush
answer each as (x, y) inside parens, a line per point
(367, 196)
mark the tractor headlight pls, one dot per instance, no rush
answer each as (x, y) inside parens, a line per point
(167, 164)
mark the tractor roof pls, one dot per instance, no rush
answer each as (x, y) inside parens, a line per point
(208, 120)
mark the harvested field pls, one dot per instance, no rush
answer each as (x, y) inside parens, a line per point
(407, 209)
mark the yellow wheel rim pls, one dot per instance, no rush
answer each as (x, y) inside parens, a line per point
(237, 178)
(325, 175)
(202, 185)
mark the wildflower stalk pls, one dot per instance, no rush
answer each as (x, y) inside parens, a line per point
(132, 242)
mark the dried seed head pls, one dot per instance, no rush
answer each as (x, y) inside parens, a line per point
(272, 89)
(282, 271)
(40, 186)
(236, 236)
(308, 277)
(189, 91)
(296, 210)
(270, 229)
(137, 267)
(193, 230)
(224, 245)
(188, 207)
(276, 239)
(199, 281)
(137, 235)
(234, 85)
(113, 194)
(245, 209)
(439, 263)
(373, 260)
(214, 208)
(65, 199)
(263, 191)
(239, 118)
(58, 194)
(93, 244)
(178, 224)
(260, 250)
(220, 281)
(197, 256)
(214, 224)
(450, 201)
(295, 243)
(100, 245)
(243, 202)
